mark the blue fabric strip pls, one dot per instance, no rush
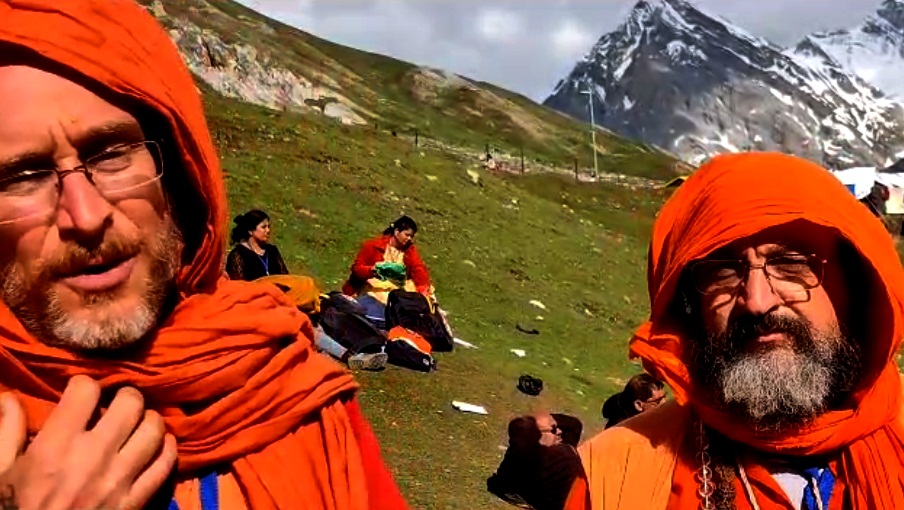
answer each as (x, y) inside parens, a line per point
(210, 492)
(825, 481)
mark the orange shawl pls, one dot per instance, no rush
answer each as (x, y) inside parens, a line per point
(735, 196)
(263, 405)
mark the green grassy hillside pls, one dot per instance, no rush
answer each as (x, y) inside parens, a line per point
(492, 247)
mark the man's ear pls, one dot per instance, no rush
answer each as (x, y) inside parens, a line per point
(638, 405)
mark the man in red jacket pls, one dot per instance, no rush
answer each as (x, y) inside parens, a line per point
(127, 360)
(395, 245)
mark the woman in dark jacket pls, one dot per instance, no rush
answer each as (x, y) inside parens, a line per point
(252, 255)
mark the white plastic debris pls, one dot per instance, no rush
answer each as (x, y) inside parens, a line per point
(468, 408)
(463, 343)
(519, 352)
(538, 304)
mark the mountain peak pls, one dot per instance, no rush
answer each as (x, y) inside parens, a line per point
(892, 11)
(678, 77)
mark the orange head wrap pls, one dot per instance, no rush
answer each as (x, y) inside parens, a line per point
(733, 197)
(223, 349)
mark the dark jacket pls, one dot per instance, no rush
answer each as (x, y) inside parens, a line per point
(243, 264)
(542, 478)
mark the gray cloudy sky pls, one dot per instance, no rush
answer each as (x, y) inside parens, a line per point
(526, 45)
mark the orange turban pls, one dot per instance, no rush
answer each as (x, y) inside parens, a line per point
(266, 404)
(733, 197)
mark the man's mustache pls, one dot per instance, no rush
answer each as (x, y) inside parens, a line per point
(745, 328)
(77, 259)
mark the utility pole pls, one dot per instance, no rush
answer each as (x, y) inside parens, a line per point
(589, 93)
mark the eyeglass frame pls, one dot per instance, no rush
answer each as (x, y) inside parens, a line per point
(748, 267)
(156, 155)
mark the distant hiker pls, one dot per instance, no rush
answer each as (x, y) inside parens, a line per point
(776, 318)
(538, 469)
(389, 262)
(876, 199)
(642, 393)
(252, 255)
(134, 375)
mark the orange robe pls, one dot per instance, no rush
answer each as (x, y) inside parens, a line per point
(232, 369)
(730, 198)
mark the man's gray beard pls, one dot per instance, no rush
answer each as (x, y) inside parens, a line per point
(39, 309)
(778, 388)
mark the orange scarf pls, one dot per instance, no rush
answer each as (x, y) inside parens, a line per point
(733, 197)
(262, 404)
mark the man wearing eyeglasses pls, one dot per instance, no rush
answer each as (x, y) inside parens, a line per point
(132, 374)
(777, 308)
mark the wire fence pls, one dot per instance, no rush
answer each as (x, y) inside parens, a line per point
(518, 161)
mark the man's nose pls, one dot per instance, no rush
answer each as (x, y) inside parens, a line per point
(756, 295)
(83, 211)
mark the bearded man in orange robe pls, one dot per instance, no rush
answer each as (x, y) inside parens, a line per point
(777, 308)
(133, 374)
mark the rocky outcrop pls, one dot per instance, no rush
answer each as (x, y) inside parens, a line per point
(243, 72)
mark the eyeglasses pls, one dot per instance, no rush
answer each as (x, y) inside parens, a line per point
(655, 401)
(552, 430)
(787, 274)
(117, 170)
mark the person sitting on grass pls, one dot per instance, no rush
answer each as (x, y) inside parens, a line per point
(539, 468)
(304, 293)
(389, 262)
(253, 256)
(642, 393)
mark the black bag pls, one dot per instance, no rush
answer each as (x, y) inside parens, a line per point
(406, 354)
(411, 310)
(340, 320)
(342, 302)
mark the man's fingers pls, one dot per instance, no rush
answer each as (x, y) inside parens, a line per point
(150, 481)
(140, 449)
(71, 415)
(13, 430)
(120, 419)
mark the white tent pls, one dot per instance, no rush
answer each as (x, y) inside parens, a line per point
(860, 181)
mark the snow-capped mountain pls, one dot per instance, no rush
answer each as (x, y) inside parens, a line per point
(697, 85)
(874, 51)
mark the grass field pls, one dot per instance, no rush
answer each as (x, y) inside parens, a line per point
(491, 248)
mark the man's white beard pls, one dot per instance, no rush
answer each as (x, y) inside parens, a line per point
(777, 382)
(783, 387)
(39, 309)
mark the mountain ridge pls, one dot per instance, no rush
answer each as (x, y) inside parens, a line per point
(243, 54)
(674, 76)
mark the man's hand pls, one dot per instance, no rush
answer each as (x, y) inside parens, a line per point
(118, 464)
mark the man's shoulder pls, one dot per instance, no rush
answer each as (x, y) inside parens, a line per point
(651, 430)
(631, 465)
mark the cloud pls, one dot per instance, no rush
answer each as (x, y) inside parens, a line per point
(498, 25)
(571, 40)
(526, 45)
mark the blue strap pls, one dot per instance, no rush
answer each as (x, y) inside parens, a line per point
(210, 494)
(825, 481)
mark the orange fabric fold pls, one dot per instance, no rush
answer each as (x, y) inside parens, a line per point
(232, 369)
(730, 198)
